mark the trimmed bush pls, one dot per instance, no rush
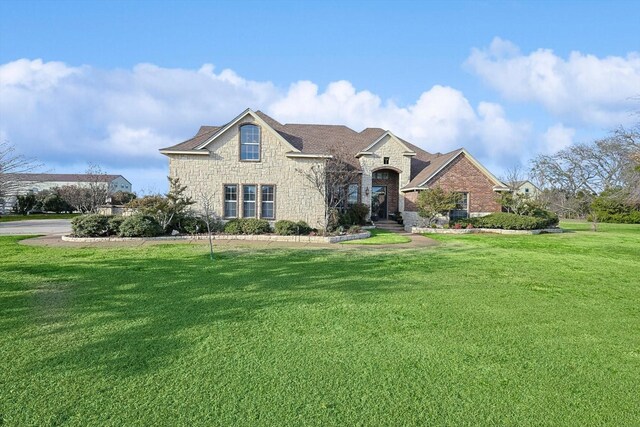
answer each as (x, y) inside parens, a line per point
(192, 225)
(354, 229)
(247, 226)
(509, 221)
(140, 226)
(286, 228)
(289, 228)
(113, 225)
(255, 226)
(233, 227)
(94, 225)
(355, 215)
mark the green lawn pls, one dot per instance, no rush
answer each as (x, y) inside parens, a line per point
(10, 218)
(480, 330)
(380, 237)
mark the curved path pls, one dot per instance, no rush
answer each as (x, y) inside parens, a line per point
(417, 241)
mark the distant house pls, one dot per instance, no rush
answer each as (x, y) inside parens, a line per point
(35, 182)
(526, 188)
(252, 166)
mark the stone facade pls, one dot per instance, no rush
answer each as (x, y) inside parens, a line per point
(399, 160)
(211, 160)
(295, 199)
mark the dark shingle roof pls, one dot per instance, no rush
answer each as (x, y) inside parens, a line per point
(323, 139)
(431, 166)
(63, 177)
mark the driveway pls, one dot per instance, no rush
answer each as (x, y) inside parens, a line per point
(36, 226)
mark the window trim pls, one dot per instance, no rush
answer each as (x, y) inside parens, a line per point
(259, 159)
(255, 207)
(273, 202)
(224, 200)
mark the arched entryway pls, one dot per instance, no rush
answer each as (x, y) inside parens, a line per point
(384, 193)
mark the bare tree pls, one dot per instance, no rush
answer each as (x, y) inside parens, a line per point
(512, 200)
(209, 216)
(12, 164)
(331, 178)
(98, 186)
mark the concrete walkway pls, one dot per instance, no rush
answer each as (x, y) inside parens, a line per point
(36, 226)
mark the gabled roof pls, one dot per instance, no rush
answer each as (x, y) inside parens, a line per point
(64, 177)
(313, 140)
(439, 162)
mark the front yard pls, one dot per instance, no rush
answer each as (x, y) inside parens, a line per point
(481, 330)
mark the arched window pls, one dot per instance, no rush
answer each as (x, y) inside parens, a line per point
(250, 142)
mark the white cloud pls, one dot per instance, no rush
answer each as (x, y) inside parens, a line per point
(68, 116)
(582, 88)
(556, 138)
(441, 120)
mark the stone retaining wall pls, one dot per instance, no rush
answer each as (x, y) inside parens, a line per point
(259, 238)
(418, 230)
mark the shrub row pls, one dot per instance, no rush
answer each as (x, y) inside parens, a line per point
(247, 226)
(290, 228)
(97, 225)
(510, 221)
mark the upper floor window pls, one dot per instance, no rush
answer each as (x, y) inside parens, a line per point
(385, 160)
(250, 142)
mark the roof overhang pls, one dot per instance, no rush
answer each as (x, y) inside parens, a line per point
(477, 164)
(185, 152)
(308, 156)
(405, 190)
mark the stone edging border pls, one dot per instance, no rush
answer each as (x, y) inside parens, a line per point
(251, 237)
(419, 230)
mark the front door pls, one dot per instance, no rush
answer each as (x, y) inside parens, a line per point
(379, 201)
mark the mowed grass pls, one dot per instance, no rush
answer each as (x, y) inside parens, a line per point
(380, 237)
(11, 218)
(480, 330)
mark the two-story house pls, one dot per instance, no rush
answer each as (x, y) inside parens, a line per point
(254, 166)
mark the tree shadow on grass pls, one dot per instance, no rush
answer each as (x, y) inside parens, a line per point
(125, 313)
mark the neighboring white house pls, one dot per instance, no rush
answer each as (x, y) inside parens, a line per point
(34, 182)
(526, 188)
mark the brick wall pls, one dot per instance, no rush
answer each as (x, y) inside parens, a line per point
(462, 175)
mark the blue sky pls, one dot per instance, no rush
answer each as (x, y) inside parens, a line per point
(110, 82)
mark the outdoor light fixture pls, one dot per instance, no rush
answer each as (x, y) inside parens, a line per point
(366, 191)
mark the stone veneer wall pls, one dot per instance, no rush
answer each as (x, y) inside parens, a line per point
(295, 199)
(385, 148)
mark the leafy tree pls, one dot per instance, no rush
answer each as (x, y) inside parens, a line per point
(435, 202)
(53, 202)
(24, 203)
(122, 197)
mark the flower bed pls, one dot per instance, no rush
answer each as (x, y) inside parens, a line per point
(420, 230)
(251, 237)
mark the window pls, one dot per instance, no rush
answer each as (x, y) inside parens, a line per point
(462, 207)
(385, 160)
(526, 190)
(267, 201)
(250, 142)
(381, 175)
(249, 201)
(352, 195)
(230, 201)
